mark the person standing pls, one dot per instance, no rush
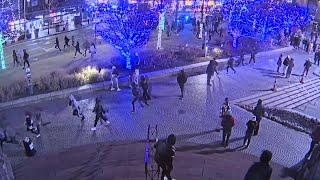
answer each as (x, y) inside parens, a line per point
(279, 63)
(29, 80)
(182, 79)
(66, 42)
(225, 108)
(16, 62)
(72, 41)
(231, 64)
(251, 124)
(25, 58)
(86, 47)
(100, 114)
(209, 72)
(258, 112)
(252, 56)
(315, 135)
(77, 47)
(92, 50)
(260, 170)
(227, 124)
(114, 79)
(145, 89)
(241, 59)
(28, 147)
(57, 44)
(317, 58)
(290, 67)
(285, 64)
(307, 65)
(164, 154)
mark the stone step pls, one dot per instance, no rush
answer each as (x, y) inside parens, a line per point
(300, 97)
(259, 95)
(291, 95)
(282, 92)
(304, 101)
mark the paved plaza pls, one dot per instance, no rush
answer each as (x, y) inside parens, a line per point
(193, 119)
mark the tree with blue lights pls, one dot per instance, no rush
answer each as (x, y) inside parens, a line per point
(127, 27)
(263, 19)
(4, 20)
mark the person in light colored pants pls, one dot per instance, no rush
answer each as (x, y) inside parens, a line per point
(114, 79)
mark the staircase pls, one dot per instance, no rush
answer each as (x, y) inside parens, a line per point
(288, 97)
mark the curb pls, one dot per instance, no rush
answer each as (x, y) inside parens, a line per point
(191, 69)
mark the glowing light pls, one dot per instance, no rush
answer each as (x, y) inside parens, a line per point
(211, 3)
(188, 3)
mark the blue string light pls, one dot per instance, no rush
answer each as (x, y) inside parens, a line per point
(264, 19)
(126, 27)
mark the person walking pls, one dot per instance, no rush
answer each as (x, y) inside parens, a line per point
(225, 108)
(25, 58)
(100, 114)
(57, 44)
(251, 124)
(252, 56)
(241, 59)
(285, 64)
(209, 72)
(230, 64)
(77, 47)
(66, 42)
(315, 136)
(114, 79)
(290, 67)
(260, 170)
(86, 47)
(182, 79)
(279, 63)
(145, 88)
(227, 124)
(92, 50)
(258, 112)
(164, 154)
(72, 41)
(317, 58)
(16, 62)
(136, 96)
(307, 65)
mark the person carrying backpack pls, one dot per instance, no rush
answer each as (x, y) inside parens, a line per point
(251, 125)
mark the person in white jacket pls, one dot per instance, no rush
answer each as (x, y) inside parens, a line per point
(76, 110)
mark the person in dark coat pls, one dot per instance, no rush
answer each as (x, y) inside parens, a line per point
(252, 56)
(285, 63)
(251, 125)
(15, 59)
(260, 170)
(307, 65)
(231, 64)
(279, 63)
(145, 88)
(100, 114)
(290, 68)
(258, 112)
(317, 58)
(165, 152)
(209, 72)
(66, 42)
(77, 47)
(136, 96)
(28, 147)
(25, 59)
(57, 44)
(227, 123)
(182, 79)
(315, 135)
(241, 59)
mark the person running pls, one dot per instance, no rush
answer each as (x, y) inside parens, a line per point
(114, 79)
(100, 114)
(285, 64)
(16, 62)
(209, 72)
(77, 47)
(182, 79)
(230, 64)
(66, 42)
(252, 56)
(290, 68)
(279, 63)
(227, 124)
(315, 135)
(251, 124)
(145, 88)
(260, 170)
(307, 65)
(136, 96)
(25, 58)
(258, 112)
(57, 44)
(164, 154)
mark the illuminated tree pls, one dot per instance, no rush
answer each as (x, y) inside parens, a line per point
(127, 27)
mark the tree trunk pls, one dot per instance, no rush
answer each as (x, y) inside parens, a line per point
(2, 60)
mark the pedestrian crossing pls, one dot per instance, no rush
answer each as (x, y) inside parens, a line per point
(288, 97)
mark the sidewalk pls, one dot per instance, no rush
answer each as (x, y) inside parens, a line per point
(120, 161)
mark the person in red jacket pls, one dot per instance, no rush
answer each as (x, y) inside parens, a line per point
(315, 140)
(227, 123)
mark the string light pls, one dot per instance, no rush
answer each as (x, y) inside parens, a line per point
(126, 27)
(264, 18)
